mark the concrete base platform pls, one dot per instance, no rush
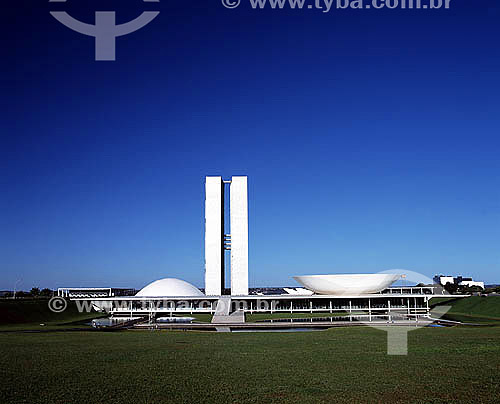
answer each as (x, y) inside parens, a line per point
(238, 317)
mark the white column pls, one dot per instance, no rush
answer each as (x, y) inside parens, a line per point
(239, 235)
(214, 236)
(415, 304)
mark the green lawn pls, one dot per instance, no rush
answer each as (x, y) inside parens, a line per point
(28, 314)
(475, 309)
(345, 365)
(200, 317)
(441, 300)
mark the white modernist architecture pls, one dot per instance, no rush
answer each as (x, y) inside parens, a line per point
(471, 284)
(217, 240)
(458, 280)
(443, 280)
(169, 287)
(341, 285)
(214, 236)
(352, 297)
(239, 235)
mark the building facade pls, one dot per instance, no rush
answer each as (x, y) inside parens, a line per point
(239, 236)
(214, 236)
(219, 238)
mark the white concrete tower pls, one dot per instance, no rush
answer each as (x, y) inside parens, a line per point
(214, 236)
(239, 235)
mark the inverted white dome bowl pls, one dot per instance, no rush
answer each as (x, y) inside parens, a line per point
(341, 285)
(169, 287)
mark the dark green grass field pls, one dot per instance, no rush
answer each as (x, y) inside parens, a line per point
(475, 309)
(28, 314)
(345, 365)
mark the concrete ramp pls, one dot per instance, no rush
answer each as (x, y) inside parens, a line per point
(237, 317)
(223, 307)
(222, 311)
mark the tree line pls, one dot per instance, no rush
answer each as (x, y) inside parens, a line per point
(34, 292)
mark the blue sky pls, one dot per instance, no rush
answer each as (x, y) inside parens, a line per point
(370, 138)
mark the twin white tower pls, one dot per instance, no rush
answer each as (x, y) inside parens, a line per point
(217, 240)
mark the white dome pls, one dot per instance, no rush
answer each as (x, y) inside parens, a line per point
(169, 287)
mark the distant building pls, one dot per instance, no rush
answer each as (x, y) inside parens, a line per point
(459, 281)
(94, 292)
(443, 280)
(471, 283)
